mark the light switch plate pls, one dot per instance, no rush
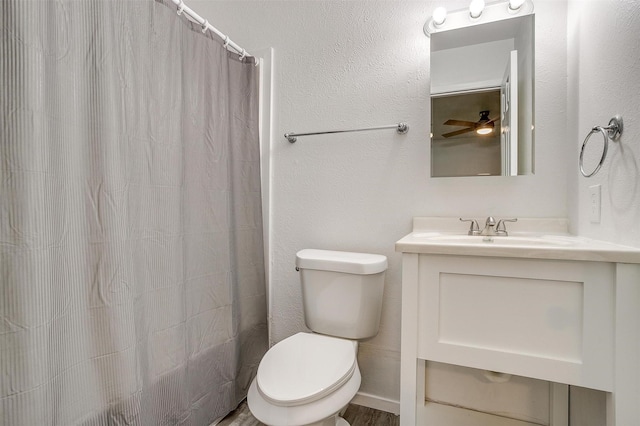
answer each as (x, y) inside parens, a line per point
(594, 203)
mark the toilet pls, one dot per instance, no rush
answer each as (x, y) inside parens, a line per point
(310, 378)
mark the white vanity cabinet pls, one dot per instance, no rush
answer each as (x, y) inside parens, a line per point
(568, 315)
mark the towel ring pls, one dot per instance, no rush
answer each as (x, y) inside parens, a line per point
(612, 131)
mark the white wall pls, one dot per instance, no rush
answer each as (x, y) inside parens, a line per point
(342, 64)
(604, 70)
(469, 67)
(604, 80)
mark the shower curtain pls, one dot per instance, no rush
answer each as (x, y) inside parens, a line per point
(132, 284)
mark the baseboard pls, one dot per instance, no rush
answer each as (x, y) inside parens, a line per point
(377, 402)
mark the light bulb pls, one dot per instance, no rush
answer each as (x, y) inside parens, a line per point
(475, 8)
(515, 4)
(484, 130)
(439, 15)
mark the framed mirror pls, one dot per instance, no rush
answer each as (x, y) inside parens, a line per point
(482, 97)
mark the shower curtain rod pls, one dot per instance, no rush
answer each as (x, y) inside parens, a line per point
(207, 26)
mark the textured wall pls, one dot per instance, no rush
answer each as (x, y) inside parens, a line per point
(604, 80)
(361, 63)
(604, 71)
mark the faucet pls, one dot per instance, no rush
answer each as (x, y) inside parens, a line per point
(491, 228)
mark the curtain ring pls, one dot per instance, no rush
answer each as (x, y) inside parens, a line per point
(226, 42)
(205, 26)
(180, 8)
(243, 55)
(604, 150)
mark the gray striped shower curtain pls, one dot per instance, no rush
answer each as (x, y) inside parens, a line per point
(132, 287)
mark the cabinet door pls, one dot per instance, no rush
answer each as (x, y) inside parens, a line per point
(545, 319)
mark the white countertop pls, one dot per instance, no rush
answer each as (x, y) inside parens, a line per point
(528, 238)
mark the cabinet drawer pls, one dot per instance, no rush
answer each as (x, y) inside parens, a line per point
(546, 319)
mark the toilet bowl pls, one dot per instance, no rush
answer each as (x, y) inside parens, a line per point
(306, 379)
(309, 378)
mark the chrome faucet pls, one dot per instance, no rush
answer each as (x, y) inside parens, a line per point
(491, 227)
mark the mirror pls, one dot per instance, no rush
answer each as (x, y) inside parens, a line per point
(482, 98)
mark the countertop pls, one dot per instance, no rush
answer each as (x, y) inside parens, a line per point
(528, 238)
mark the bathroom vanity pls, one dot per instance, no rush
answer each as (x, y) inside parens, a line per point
(538, 303)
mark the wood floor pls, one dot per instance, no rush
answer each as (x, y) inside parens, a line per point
(356, 415)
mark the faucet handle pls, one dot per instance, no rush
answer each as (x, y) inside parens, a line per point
(474, 229)
(501, 229)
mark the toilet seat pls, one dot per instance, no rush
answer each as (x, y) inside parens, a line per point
(307, 414)
(305, 368)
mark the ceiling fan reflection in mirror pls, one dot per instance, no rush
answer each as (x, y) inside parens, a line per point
(484, 126)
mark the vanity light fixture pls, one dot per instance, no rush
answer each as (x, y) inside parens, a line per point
(514, 5)
(475, 8)
(477, 13)
(439, 16)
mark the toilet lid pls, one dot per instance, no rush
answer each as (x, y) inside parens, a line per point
(305, 367)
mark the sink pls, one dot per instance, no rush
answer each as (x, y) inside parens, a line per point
(529, 238)
(523, 241)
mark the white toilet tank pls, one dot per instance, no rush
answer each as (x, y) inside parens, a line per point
(342, 292)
